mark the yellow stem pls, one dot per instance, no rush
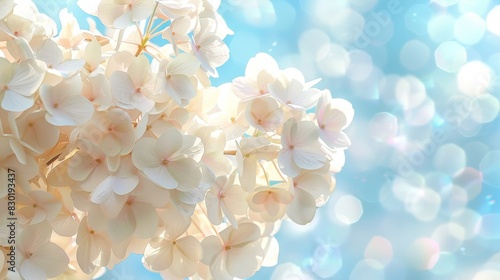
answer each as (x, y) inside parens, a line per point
(146, 37)
(279, 171)
(265, 173)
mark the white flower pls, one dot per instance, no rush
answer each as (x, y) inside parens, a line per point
(235, 254)
(294, 93)
(210, 50)
(270, 202)
(333, 115)
(225, 197)
(171, 161)
(264, 114)
(180, 255)
(122, 13)
(64, 103)
(18, 83)
(38, 258)
(175, 78)
(259, 72)
(308, 186)
(301, 148)
(132, 89)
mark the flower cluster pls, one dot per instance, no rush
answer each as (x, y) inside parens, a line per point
(121, 145)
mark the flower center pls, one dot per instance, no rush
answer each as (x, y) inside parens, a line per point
(35, 206)
(91, 231)
(291, 147)
(138, 90)
(165, 162)
(227, 248)
(5, 87)
(174, 242)
(55, 105)
(16, 33)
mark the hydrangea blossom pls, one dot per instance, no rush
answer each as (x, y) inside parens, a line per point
(121, 145)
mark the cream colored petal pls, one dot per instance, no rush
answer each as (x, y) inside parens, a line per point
(51, 258)
(302, 208)
(146, 220)
(145, 155)
(30, 270)
(159, 254)
(186, 172)
(309, 158)
(122, 226)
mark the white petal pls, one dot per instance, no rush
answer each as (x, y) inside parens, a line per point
(122, 87)
(335, 139)
(102, 192)
(51, 258)
(186, 171)
(242, 262)
(287, 163)
(183, 64)
(145, 154)
(309, 158)
(161, 177)
(26, 78)
(302, 208)
(30, 270)
(12, 101)
(169, 143)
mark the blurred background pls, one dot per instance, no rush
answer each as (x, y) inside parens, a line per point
(417, 198)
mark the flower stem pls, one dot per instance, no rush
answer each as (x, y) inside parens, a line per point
(146, 37)
(279, 171)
